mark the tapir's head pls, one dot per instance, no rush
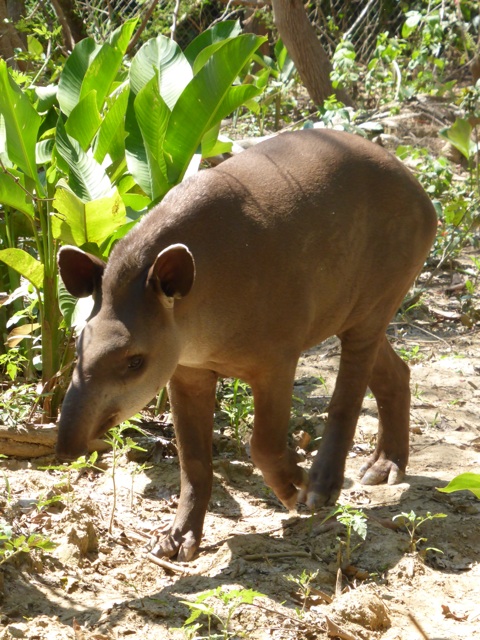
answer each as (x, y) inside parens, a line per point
(129, 348)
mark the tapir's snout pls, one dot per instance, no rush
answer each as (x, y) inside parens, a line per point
(80, 423)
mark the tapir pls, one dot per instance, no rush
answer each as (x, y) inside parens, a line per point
(237, 271)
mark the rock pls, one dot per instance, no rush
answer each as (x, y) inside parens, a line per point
(362, 607)
(67, 553)
(83, 536)
(17, 630)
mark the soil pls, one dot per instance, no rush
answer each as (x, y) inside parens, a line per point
(100, 584)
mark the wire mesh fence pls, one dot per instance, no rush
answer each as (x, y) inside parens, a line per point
(358, 20)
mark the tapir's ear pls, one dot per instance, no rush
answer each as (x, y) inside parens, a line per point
(80, 271)
(173, 272)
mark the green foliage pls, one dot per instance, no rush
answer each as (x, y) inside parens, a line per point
(412, 355)
(464, 482)
(232, 600)
(304, 586)
(82, 161)
(354, 521)
(79, 465)
(412, 522)
(236, 402)
(11, 546)
(120, 446)
(17, 404)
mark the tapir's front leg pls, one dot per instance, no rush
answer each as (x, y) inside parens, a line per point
(192, 400)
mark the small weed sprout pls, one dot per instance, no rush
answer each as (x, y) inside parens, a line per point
(137, 470)
(11, 546)
(78, 465)
(304, 585)
(8, 489)
(237, 404)
(230, 599)
(412, 522)
(412, 355)
(120, 445)
(354, 521)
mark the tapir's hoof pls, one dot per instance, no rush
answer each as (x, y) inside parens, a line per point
(377, 472)
(169, 547)
(298, 490)
(316, 499)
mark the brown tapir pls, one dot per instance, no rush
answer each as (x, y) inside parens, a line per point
(235, 273)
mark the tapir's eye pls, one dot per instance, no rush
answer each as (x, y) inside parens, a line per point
(135, 362)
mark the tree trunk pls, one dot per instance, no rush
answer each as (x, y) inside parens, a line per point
(306, 51)
(9, 37)
(73, 27)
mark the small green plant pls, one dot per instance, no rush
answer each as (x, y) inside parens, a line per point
(354, 521)
(412, 355)
(8, 490)
(136, 471)
(412, 522)
(13, 362)
(232, 600)
(120, 446)
(11, 546)
(304, 585)
(80, 464)
(18, 403)
(464, 482)
(237, 403)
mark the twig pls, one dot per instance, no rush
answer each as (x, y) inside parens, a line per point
(334, 631)
(171, 566)
(224, 14)
(277, 554)
(298, 622)
(338, 582)
(44, 65)
(359, 19)
(176, 9)
(142, 26)
(417, 625)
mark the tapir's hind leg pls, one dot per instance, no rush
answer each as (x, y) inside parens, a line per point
(389, 383)
(192, 400)
(272, 393)
(356, 365)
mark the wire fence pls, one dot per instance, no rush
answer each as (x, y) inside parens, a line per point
(360, 21)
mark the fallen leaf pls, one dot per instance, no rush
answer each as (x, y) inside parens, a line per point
(448, 613)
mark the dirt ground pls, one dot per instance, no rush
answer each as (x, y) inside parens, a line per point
(98, 584)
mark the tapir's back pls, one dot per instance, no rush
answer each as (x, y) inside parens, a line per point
(321, 222)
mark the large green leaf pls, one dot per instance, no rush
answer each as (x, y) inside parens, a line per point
(211, 146)
(71, 79)
(459, 134)
(216, 35)
(111, 135)
(206, 100)
(81, 222)
(143, 166)
(152, 116)
(21, 124)
(163, 58)
(87, 178)
(101, 73)
(120, 38)
(12, 195)
(25, 264)
(84, 120)
(464, 482)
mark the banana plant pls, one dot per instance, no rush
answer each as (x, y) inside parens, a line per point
(82, 161)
